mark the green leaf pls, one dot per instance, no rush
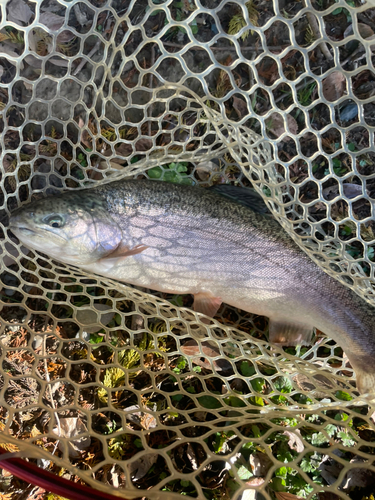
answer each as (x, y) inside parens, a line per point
(138, 443)
(336, 162)
(278, 484)
(331, 429)
(344, 396)
(209, 402)
(257, 401)
(258, 384)
(283, 384)
(247, 369)
(347, 439)
(337, 11)
(281, 472)
(95, 338)
(352, 146)
(177, 397)
(318, 438)
(155, 173)
(244, 473)
(235, 402)
(256, 431)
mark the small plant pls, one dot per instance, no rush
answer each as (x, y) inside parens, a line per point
(238, 21)
(305, 94)
(172, 172)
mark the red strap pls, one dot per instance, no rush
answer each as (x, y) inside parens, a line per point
(30, 473)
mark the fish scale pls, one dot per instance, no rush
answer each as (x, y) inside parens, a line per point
(179, 239)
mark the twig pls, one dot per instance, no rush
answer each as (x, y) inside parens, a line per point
(80, 16)
(353, 54)
(90, 54)
(223, 49)
(48, 378)
(316, 31)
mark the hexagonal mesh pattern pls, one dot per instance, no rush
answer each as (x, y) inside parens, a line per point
(131, 392)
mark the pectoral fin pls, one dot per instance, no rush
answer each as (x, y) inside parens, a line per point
(289, 334)
(124, 251)
(206, 304)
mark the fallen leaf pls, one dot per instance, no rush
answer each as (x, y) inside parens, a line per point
(240, 107)
(123, 149)
(64, 37)
(205, 168)
(295, 442)
(142, 465)
(364, 30)
(19, 12)
(143, 145)
(330, 471)
(59, 62)
(360, 477)
(141, 418)
(5, 49)
(191, 348)
(52, 21)
(277, 126)
(350, 191)
(334, 86)
(260, 463)
(255, 481)
(69, 428)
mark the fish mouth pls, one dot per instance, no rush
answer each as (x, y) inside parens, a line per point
(25, 231)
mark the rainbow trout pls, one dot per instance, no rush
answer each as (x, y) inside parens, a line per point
(179, 239)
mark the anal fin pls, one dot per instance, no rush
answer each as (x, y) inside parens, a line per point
(206, 303)
(289, 334)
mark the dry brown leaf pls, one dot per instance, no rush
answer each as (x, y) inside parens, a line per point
(240, 107)
(6, 496)
(71, 428)
(364, 30)
(143, 144)
(295, 442)
(192, 349)
(277, 126)
(51, 20)
(123, 149)
(255, 481)
(260, 463)
(3, 36)
(19, 12)
(65, 37)
(142, 465)
(334, 86)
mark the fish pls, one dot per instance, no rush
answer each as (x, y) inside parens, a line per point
(189, 240)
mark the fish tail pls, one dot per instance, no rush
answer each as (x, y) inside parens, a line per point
(365, 380)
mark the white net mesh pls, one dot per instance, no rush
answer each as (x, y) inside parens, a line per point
(127, 390)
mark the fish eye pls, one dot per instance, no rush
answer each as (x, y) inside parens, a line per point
(55, 221)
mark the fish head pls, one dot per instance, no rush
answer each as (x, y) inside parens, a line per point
(74, 228)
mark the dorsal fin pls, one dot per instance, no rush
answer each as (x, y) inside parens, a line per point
(247, 197)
